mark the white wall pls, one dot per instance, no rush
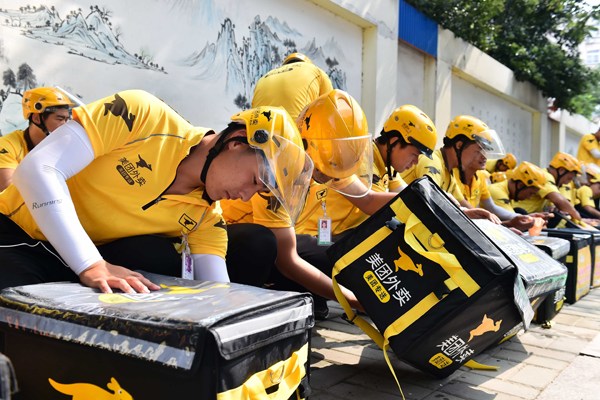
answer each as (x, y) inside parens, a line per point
(468, 80)
(204, 54)
(512, 123)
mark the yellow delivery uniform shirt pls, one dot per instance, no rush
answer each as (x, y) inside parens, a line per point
(436, 168)
(477, 190)
(380, 175)
(586, 144)
(138, 142)
(291, 86)
(501, 196)
(537, 202)
(13, 148)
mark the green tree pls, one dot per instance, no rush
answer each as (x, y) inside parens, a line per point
(537, 39)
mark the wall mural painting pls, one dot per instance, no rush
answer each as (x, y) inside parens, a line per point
(94, 50)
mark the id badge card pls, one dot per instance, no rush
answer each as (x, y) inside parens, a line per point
(187, 263)
(324, 237)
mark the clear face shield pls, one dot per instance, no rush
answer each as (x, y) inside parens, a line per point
(590, 173)
(491, 144)
(343, 164)
(286, 172)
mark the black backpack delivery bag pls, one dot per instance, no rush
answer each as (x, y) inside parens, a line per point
(438, 290)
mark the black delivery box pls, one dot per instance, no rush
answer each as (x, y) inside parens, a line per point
(438, 290)
(579, 261)
(191, 339)
(558, 249)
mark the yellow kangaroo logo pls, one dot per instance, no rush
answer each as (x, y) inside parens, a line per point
(87, 391)
(405, 263)
(119, 298)
(191, 290)
(487, 325)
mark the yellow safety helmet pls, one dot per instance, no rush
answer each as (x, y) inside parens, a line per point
(414, 126)
(296, 57)
(566, 161)
(284, 166)
(335, 131)
(530, 174)
(476, 130)
(509, 160)
(498, 176)
(44, 99)
(592, 172)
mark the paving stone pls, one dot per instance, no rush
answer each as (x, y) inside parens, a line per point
(510, 388)
(579, 381)
(467, 391)
(546, 362)
(347, 364)
(351, 391)
(326, 376)
(532, 375)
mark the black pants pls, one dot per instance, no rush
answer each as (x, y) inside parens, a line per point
(25, 261)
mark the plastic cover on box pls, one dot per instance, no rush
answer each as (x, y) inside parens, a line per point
(168, 327)
(541, 274)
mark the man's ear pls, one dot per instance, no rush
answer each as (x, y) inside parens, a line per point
(36, 118)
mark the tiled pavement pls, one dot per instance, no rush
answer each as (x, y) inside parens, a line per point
(560, 363)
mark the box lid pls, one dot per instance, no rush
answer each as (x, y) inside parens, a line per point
(169, 326)
(556, 247)
(540, 272)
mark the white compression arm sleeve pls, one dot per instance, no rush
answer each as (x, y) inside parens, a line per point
(209, 267)
(500, 212)
(41, 180)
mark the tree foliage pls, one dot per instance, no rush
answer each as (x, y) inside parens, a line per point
(537, 39)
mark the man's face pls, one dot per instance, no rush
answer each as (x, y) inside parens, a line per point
(404, 158)
(56, 119)
(234, 174)
(473, 157)
(500, 166)
(567, 177)
(527, 193)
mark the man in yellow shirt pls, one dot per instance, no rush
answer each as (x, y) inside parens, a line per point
(465, 137)
(589, 148)
(46, 109)
(475, 191)
(592, 180)
(336, 134)
(129, 166)
(526, 180)
(582, 196)
(497, 170)
(292, 86)
(562, 169)
(506, 163)
(407, 133)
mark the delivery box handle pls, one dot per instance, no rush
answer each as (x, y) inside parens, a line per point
(287, 374)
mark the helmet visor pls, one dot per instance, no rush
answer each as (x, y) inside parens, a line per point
(344, 164)
(490, 143)
(286, 172)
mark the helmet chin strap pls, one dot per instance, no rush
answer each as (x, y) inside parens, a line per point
(458, 152)
(212, 154)
(559, 176)
(388, 161)
(41, 125)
